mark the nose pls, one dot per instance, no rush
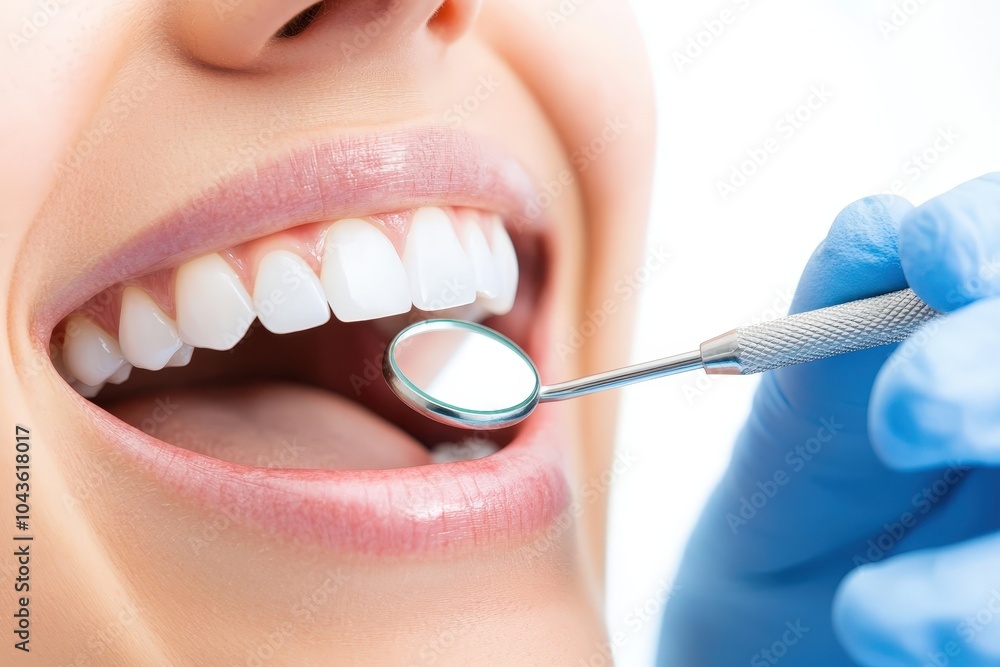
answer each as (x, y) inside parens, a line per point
(240, 34)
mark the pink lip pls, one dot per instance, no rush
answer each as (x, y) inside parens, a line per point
(509, 496)
(501, 499)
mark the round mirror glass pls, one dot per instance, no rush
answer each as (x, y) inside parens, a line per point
(462, 373)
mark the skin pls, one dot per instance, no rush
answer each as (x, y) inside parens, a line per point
(115, 581)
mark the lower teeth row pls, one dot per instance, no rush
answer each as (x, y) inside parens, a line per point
(468, 449)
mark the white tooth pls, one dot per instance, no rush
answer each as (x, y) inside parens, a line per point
(287, 294)
(362, 274)
(86, 390)
(121, 375)
(506, 262)
(441, 274)
(467, 450)
(474, 242)
(182, 357)
(92, 355)
(56, 354)
(214, 310)
(148, 337)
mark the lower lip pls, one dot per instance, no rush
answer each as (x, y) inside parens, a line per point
(507, 497)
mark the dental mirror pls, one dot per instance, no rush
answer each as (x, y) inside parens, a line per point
(462, 374)
(467, 375)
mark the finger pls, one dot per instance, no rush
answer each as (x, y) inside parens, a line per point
(859, 256)
(806, 447)
(950, 246)
(936, 402)
(936, 607)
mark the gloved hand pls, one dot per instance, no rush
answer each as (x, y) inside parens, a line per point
(873, 466)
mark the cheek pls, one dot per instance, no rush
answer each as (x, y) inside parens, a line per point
(601, 109)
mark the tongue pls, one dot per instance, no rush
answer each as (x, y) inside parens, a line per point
(274, 425)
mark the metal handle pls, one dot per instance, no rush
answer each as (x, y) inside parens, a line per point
(817, 334)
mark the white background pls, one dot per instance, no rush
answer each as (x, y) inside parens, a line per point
(738, 260)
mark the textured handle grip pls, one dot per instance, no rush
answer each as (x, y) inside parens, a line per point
(818, 334)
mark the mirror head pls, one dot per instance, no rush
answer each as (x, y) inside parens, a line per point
(462, 374)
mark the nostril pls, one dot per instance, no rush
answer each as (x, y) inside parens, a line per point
(452, 18)
(300, 22)
(442, 16)
(236, 34)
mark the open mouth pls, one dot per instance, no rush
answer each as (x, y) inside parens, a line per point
(257, 363)
(275, 344)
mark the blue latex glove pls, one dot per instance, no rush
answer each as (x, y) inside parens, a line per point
(909, 514)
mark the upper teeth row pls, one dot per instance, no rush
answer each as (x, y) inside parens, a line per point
(445, 264)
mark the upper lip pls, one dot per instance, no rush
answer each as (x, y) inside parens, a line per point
(512, 494)
(315, 180)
